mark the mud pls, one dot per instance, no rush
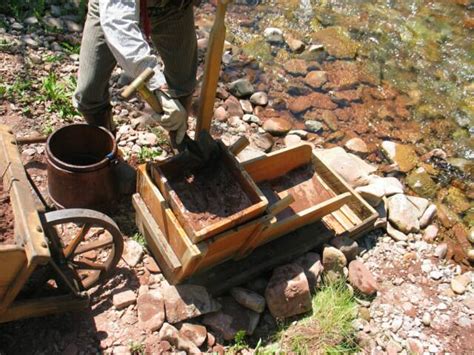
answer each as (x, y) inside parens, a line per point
(209, 195)
(7, 235)
(303, 183)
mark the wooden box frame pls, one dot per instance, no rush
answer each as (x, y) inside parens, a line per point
(160, 172)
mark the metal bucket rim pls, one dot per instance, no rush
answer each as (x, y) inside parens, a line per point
(81, 168)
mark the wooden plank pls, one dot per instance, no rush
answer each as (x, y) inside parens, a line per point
(277, 163)
(43, 306)
(233, 273)
(157, 243)
(311, 215)
(12, 261)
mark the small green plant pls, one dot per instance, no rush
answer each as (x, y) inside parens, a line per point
(17, 91)
(53, 58)
(47, 128)
(239, 342)
(136, 348)
(140, 239)
(160, 134)
(71, 48)
(59, 95)
(147, 154)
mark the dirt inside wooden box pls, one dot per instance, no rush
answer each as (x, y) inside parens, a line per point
(303, 183)
(7, 235)
(209, 195)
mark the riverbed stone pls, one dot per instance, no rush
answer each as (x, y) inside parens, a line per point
(151, 310)
(195, 332)
(334, 260)
(361, 278)
(300, 104)
(422, 183)
(248, 299)
(395, 233)
(231, 319)
(456, 200)
(175, 338)
(241, 88)
(430, 233)
(347, 246)
(441, 250)
(350, 167)
(287, 293)
(460, 283)
(372, 193)
(428, 215)
(259, 98)
(277, 126)
(184, 302)
(316, 79)
(313, 126)
(292, 140)
(420, 203)
(273, 35)
(356, 145)
(262, 141)
(124, 299)
(233, 107)
(296, 67)
(336, 42)
(295, 45)
(401, 154)
(133, 252)
(403, 214)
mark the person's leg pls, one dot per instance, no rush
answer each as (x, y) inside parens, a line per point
(96, 64)
(174, 35)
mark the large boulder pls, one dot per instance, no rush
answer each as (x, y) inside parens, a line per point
(352, 169)
(361, 278)
(184, 302)
(231, 319)
(287, 292)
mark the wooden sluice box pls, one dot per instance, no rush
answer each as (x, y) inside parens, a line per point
(281, 192)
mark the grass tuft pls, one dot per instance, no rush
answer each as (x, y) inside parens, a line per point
(58, 93)
(328, 329)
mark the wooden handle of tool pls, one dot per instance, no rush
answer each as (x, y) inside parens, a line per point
(31, 140)
(280, 205)
(212, 69)
(239, 145)
(139, 84)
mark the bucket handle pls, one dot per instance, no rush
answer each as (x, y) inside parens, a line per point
(113, 159)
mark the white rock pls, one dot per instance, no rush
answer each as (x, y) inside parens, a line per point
(436, 275)
(426, 319)
(430, 233)
(147, 139)
(292, 140)
(299, 132)
(356, 145)
(396, 234)
(428, 215)
(133, 253)
(372, 193)
(420, 203)
(252, 119)
(273, 35)
(441, 250)
(403, 214)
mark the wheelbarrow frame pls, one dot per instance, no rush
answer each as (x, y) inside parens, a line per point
(34, 245)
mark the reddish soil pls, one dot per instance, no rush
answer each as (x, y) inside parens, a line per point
(303, 183)
(7, 235)
(209, 195)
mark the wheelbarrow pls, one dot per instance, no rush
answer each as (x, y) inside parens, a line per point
(56, 255)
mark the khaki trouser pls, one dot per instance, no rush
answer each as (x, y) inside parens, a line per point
(173, 35)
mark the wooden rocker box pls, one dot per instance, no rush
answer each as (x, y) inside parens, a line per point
(293, 172)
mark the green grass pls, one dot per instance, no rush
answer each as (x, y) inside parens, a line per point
(17, 91)
(136, 348)
(239, 342)
(58, 94)
(147, 154)
(70, 48)
(140, 239)
(53, 58)
(328, 329)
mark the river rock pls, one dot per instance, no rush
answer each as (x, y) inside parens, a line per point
(470, 255)
(252, 119)
(372, 193)
(220, 114)
(292, 140)
(312, 267)
(361, 278)
(233, 107)
(231, 319)
(133, 253)
(336, 42)
(300, 104)
(316, 79)
(403, 155)
(428, 215)
(184, 302)
(403, 214)
(346, 245)
(441, 250)
(262, 141)
(277, 126)
(470, 236)
(356, 145)
(396, 234)
(246, 106)
(456, 200)
(175, 338)
(334, 260)
(313, 126)
(350, 167)
(147, 139)
(295, 45)
(420, 203)
(422, 183)
(296, 67)
(248, 299)
(151, 311)
(461, 282)
(259, 98)
(430, 233)
(287, 293)
(241, 88)
(273, 35)
(194, 332)
(124, 299)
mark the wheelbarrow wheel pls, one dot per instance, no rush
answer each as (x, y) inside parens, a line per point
(85, 242)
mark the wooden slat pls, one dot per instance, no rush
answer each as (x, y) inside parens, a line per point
(157, 243)
(12, 261)
(277, 163)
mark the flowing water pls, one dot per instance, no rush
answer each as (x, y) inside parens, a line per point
(421, 49)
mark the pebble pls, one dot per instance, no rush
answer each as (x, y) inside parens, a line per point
(273, 35)
(251, 119)
(441, 250)
(259, 98)
(17, 26)
(470, 255)
(430, 233)
(426, 319)
(292, 140)
(124, 299)
(436, 275)
(460, 283)
(357, 145)
(313, 126)
(396, 324)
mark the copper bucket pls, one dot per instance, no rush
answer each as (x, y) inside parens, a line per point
(81, 161)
